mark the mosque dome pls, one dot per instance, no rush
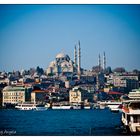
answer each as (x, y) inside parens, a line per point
(60, 55)
(63, 64)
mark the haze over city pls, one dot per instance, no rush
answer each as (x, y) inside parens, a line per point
(32, 35)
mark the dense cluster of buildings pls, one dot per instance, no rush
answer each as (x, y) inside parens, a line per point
(65, 81)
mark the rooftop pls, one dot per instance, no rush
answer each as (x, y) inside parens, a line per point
(14, 88)
(135, 90)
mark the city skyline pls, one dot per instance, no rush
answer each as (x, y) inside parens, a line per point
(32, 35)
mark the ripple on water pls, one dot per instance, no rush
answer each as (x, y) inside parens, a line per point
(62, 122)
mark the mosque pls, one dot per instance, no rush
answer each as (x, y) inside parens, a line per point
(63, 65)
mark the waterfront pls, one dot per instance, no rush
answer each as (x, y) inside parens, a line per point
(61, 123)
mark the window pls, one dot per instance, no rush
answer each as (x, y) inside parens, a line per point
(135, 119)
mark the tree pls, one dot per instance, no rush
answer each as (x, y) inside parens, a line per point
(136, 71)
(39, 70)
(50, 74)
(119, 70)
(108, 70)
(31, 71)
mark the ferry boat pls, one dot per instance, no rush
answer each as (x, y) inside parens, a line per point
(114, 106)
(131, 116)
(61, 107)
(30, 106)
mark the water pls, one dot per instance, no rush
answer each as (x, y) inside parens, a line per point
(60, 123)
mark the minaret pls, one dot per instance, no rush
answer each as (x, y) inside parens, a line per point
(99, 62)
(104, 61)
(57, 69)
(79, 60)
(75, 56)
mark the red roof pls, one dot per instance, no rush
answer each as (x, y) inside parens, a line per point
(37, 91)
(115, 92)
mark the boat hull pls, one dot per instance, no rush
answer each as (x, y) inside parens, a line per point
(30, 107)
(61, 107)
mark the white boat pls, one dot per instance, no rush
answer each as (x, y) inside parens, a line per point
(40, 108)
(76, 106)
(30, 106)
(114, 106)
(61, 107)
(131, 116)
(87, 107)
(102, 106)
(73, 106)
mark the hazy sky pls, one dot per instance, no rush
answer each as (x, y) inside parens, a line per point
(32, 35)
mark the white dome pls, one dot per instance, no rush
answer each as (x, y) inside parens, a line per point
(60, 55)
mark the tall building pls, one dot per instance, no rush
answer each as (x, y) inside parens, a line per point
(129, 84)
(75, 56)
(104, 61)
(0, 98)
(16, 94)
(79, 60)
(38, 96)
(99, 62)
(134, 94)
(78, 95)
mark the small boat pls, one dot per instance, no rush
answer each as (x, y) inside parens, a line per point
(131, 116)
(87, 107)
(40, 107)
(114, 106)
(96, 106)
(61, 107)
(76, 106)
(102, 106)
(30, 106)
